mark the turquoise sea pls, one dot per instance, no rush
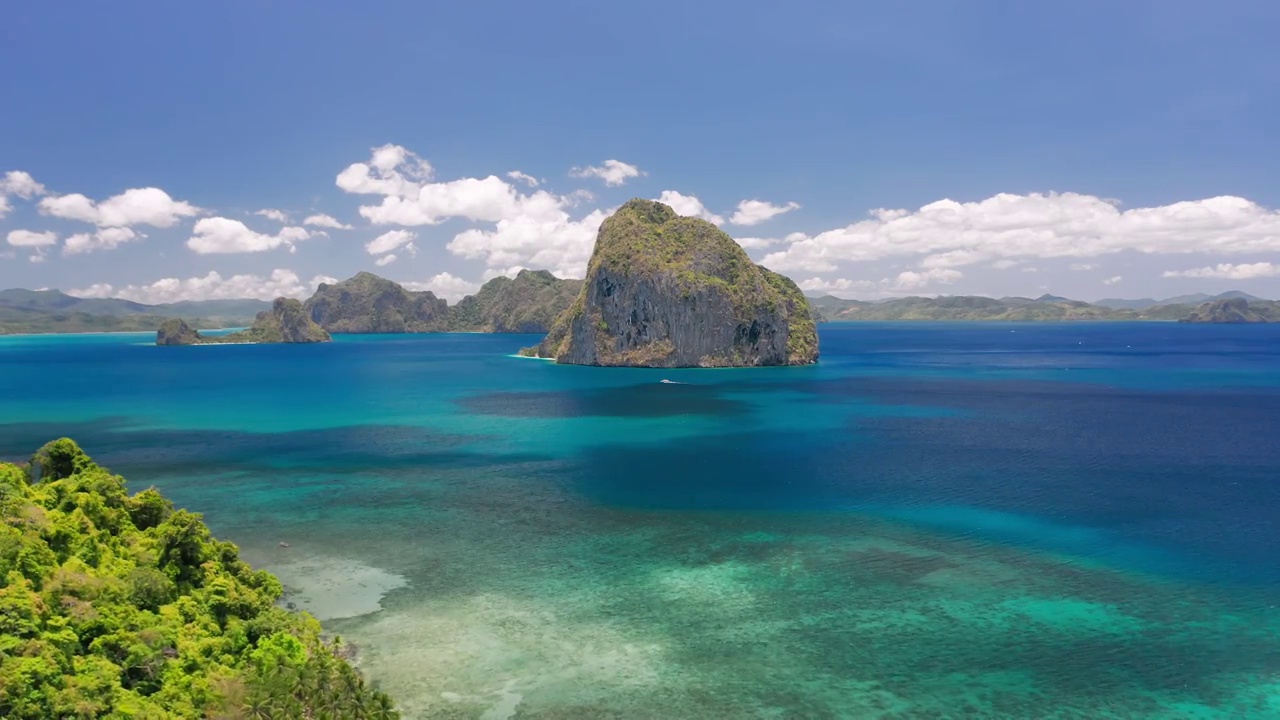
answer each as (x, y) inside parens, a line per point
(937, 521)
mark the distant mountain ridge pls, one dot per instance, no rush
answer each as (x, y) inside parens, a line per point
(56, 300)
(1046, 308)
(529, 303)
(1192, 299)
(51, 311)
(364, 303)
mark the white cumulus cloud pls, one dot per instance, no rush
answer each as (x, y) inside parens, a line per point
(1068, 225)
(392, 170)
(904, 282)
(533, 229)
(104, 239)
(325, 221)
(754, 212)
(1228, 271)
(689, 206)
(612, 172)
(20, 184)
(31, 238)
(17, 182)
(273, 214)
(388, 241)
(137, 206)
(385, 260)
(755, 243)
(913, 280)
(445, 285)
(529, 180)
(280, 283)
(1112, 280)
(224, 235)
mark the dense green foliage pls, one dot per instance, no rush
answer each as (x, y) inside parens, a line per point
(120, 606)
(285, 322)
(367, 303)
(528, 303)
(802, 341)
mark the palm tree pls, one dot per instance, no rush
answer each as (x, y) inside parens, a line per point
(383, 709)
(258, 707)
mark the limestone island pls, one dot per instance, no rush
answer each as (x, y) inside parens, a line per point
(668, 291)
(528, 303)
(285, 322)
(367, 303)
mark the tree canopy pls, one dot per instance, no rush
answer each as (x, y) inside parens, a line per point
(122, 606)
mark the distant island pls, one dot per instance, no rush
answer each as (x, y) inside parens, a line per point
(663, 290)
(529, 303)
(285, 322)
(118, 605)
(366, 303)
(1046, 308)
(51, 311)
(532, 300)
(1235, 310)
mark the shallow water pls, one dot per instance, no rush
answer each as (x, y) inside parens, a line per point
(979, 520)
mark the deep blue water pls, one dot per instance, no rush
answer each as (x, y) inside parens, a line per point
(1149, 449)
(1154, 444)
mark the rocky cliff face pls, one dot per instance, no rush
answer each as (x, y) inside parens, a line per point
(369, 304)
(670, 291)
(177, 332)
(1235, 310)
(286, 322)
(529, 303)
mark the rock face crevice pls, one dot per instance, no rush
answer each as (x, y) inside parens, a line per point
(669, 291)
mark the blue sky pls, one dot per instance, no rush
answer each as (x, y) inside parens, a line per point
(1089, 149)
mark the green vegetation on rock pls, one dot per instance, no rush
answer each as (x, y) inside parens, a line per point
(367, 303)
(120, 606)
(669, 291)
(285, 322)
(528, 303)
(176, 331)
